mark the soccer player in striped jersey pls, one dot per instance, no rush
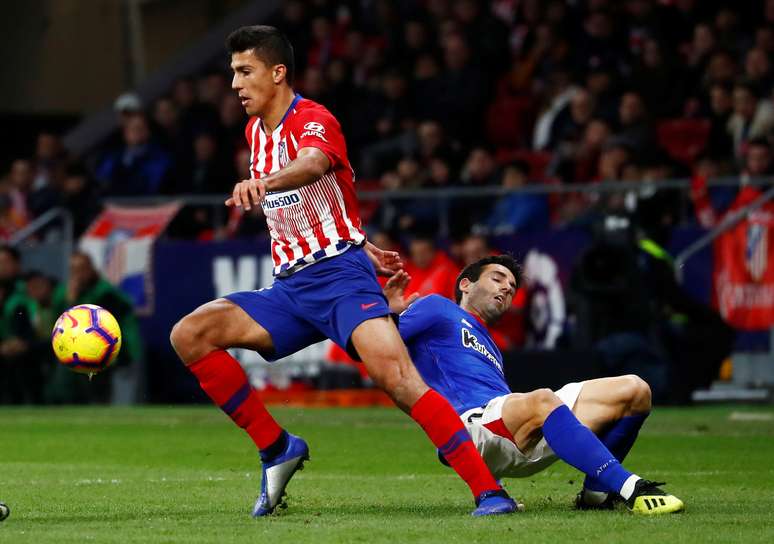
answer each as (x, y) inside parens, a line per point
(590, 425)
(325, 284)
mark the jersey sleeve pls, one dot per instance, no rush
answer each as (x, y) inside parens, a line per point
(420, 317)
(319, 128)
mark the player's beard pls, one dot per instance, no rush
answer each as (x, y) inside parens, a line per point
(492, 310)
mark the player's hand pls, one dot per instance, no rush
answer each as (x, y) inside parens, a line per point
(247, 193)
(386, 263)
(394, 290)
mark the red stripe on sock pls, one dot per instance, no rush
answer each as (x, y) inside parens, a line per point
(221, 376)
(439, 420)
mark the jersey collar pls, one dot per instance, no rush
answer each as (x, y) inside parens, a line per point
(474, 316)
(296, 100)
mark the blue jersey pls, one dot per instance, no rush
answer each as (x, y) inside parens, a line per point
(453, 352)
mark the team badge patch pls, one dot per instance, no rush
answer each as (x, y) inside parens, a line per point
(756, 250)
(282, 149)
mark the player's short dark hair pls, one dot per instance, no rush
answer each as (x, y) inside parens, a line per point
(473, 271)
(267, 43)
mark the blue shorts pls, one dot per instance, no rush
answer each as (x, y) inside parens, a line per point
(328, 299)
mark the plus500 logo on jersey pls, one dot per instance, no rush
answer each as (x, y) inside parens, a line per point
(281, 200)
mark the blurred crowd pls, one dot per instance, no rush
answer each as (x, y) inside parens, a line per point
(450, 93)
(30, 304)
(436, 94)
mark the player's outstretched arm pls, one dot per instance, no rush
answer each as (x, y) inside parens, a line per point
(394, 290)
(309, 166)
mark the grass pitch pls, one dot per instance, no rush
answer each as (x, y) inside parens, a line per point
(98, 474)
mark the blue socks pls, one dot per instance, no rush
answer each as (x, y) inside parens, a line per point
(576, 445)
(619, 439)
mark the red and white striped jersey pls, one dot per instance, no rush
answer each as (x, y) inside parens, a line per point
(321, 219)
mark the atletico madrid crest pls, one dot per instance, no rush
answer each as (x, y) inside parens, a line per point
(756, 250)
(282, 149)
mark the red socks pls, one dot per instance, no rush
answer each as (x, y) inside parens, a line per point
(226, 383)
(446, 430)
(223, 379)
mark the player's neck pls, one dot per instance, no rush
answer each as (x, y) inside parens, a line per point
(475, 313)
(279, 106)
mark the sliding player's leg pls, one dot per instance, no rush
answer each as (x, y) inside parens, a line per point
(615, 409)
(541, 413)
(528, 415)
(388, 363)
(201, 340)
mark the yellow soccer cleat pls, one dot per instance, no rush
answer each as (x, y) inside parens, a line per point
(649, 499)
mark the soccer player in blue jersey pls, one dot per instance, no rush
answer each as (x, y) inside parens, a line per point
(590, 425)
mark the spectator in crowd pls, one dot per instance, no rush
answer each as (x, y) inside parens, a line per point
(480, 168)
(169, 132)
(655, 67)
(49, 163)
(720, 144)
(710, 204)
(40, 290)
(85, 286)
(139, 167)
(10, 219)
(208, 171)
(125, 106)
(38, 308)
(570, 122)
(231, 131)
(516, 211)
(752, 117)
(757, 71)
(634, 129)
(465, 91)
(430, 268)
(578, 162)
(699, 51)
(27, 199)
(19, 366)
(78, 194)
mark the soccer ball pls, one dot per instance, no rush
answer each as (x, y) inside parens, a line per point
(86, 339)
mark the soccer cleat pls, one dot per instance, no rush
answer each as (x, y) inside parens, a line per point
(608, 504)
(277, 473)
(491, 503)
(649, 499)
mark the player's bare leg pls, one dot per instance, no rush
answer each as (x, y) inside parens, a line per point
(200, 339)
(541, 413)
(384, 355)
(219, 324)
(604, 401)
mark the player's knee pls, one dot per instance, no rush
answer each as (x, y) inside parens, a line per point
(544, 401)
(638, 393)
(187, 335)
(403, 386)
(178, 334)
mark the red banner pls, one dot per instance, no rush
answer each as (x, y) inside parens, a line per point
(119, 242)
(744, 267)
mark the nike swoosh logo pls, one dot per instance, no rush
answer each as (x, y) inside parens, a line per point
(367, 306)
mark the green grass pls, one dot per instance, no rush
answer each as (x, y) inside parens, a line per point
(97, 474)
